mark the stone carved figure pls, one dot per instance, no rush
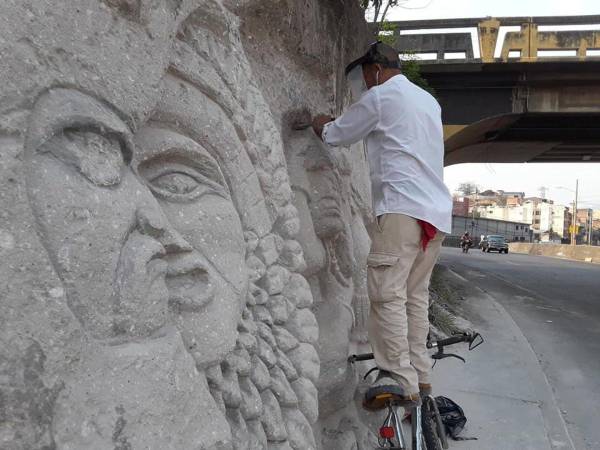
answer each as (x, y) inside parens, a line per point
(121, 280)
(104, 362)
(151, 262)
(335, 243)
(265, 384)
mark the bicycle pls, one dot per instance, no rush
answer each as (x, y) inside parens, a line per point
(427, 429)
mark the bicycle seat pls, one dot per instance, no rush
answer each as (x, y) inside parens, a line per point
(381, 396)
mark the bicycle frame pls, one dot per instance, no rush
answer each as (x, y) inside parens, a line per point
(391, 435)
(396, 440)
(416, 426)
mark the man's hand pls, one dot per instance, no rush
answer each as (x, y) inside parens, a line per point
(319, 122)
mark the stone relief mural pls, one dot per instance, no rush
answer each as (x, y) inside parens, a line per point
(335, 242)
(177, 270)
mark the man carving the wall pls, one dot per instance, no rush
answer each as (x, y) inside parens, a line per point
(402, 128)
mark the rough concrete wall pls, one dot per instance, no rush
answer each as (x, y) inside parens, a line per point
(574, 252)
(174, 272)
(298, 51)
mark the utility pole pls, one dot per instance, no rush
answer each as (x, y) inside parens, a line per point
(572, 227)
(590, 228)
(474, 206)
(576, 222)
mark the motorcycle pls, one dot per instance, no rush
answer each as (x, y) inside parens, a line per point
(466, 245)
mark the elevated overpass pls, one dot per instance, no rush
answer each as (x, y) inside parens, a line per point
(518, 89)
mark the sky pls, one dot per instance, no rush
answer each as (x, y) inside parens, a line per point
(442, 9)
(515, 177)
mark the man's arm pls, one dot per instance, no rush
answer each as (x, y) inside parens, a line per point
(353, 126)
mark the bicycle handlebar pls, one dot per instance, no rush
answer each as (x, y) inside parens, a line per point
(361, 357)
(449, 341)
(474, 340)
(463, 337)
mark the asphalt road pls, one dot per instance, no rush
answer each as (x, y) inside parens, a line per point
(556, 303)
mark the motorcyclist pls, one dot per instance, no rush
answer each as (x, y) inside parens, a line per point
(465, 240)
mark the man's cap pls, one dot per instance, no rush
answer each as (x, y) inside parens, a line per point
(377, 53)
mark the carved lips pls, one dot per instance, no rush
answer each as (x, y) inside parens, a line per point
(190, 285)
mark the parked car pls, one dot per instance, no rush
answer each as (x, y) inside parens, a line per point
(494, 242)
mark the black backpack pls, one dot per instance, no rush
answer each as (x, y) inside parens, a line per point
(453, 418)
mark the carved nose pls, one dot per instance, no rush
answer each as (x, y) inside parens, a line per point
(152, 222)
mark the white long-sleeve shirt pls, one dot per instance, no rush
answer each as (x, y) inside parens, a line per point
(402, 128)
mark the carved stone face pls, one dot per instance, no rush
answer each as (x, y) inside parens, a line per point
(323, 206)
(103, 230)
(76, 80)
(205, 302)
(101, 226)
(322, 197)
(181, 168)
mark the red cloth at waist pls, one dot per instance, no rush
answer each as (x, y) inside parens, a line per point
(428, 232)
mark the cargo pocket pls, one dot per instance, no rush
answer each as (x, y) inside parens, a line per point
(380, 279)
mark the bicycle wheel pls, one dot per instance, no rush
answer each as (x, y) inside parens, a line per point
(430, 435)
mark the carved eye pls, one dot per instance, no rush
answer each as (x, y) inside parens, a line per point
(176, 183)
(99, 157)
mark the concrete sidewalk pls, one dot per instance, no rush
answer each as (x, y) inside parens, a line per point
(502, 388)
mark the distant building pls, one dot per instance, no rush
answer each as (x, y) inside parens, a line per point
(461, 206)
(596, 227)
(584, 215)
(512, 199)
(561, 221)
(536, 200)
(517, 214)
(493, 212)
(584, 221)
(545, 217)
(512, 231)
(548, 222)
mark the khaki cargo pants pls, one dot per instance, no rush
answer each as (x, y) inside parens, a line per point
(398, 277)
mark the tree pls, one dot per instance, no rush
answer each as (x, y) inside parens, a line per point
(380, 8)
(385, 32)
(468, 188)
(412, 71)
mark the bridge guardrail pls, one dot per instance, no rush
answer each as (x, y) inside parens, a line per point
(504, 39)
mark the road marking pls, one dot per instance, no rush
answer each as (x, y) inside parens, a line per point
(460, 277)
(513, 263)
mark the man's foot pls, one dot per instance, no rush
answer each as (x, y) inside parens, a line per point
(386, 390)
